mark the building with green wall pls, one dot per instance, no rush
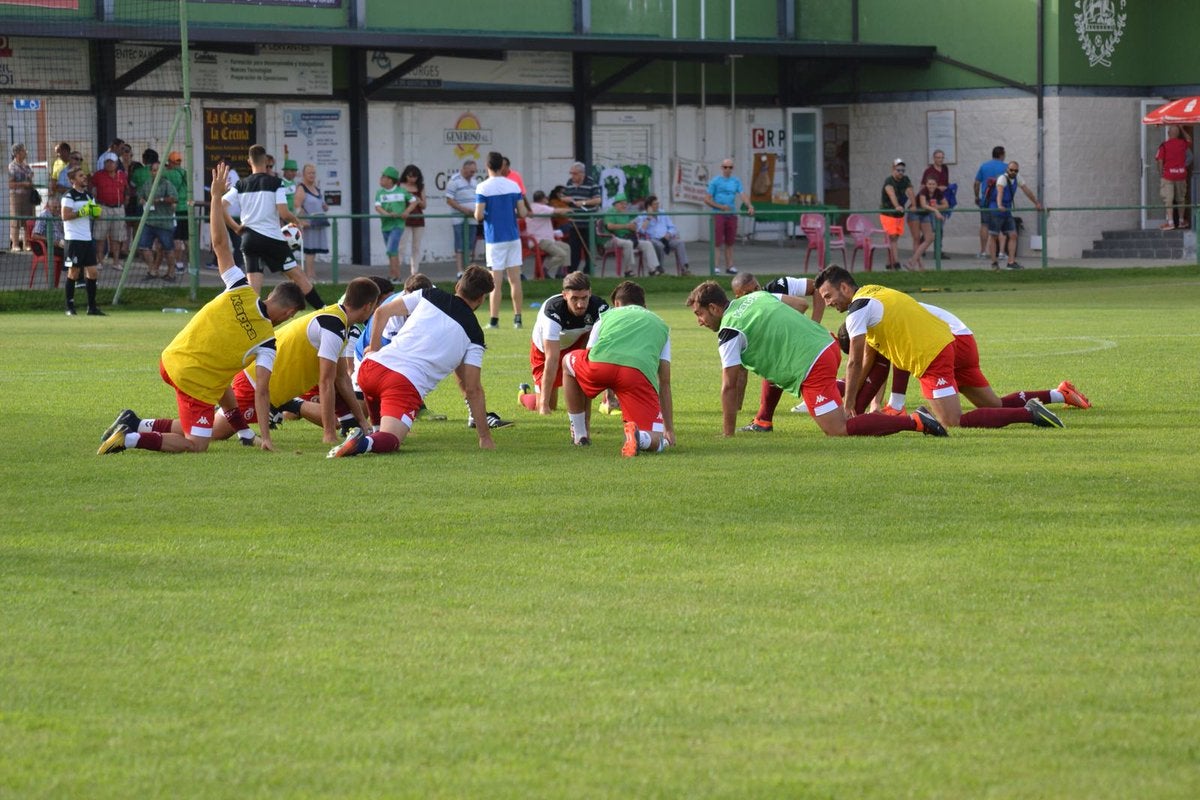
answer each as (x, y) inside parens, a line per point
(830, 90)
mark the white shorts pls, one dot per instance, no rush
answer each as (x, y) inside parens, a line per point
(503, 255)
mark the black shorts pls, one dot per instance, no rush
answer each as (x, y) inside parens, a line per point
(181, 232)
(80, 253)
(264, 251)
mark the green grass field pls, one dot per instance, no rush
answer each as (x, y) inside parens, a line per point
(1006, 614)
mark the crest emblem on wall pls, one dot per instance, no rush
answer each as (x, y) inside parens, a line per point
(1099, 24)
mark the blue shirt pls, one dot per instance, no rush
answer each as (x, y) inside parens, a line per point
(988, 170)
(657, 227)
(499, 197)
(724, 191)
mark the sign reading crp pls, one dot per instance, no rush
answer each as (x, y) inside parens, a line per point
(228, 133)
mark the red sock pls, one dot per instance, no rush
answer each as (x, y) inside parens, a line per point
(879, 425)
(373, 409)
(995, 417)
(529, 401)
(871, 384)
(150, 441)
(900, 382)
(1019, 399)
(382, 442)
(236, 419)
(768, 399)
(161, 426)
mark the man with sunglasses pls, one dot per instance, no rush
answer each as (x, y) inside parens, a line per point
(999, 199)
(726, 194)
(897, 195)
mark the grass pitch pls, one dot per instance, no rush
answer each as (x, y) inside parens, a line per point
(1007, 613)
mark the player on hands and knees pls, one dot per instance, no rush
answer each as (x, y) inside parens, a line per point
(758, 332)
(563, 324)
(629, 351)
(911, 338)
(440, 336)
(232, 330)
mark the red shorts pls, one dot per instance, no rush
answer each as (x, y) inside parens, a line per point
(819, 389)
(725, 228)
(639, 400)
(938, 379)
(196, 416)
(392, 392)
(243, 392)
(966, 363)
(537, 361)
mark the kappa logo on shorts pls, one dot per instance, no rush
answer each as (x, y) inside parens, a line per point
(203, 421)
(820, 398)
(942, 382)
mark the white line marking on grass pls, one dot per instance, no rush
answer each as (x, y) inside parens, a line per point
(1097, 345)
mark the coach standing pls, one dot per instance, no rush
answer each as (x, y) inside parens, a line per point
(725, 193)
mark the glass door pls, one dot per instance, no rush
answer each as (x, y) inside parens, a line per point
(805, 164)
(1152, 137)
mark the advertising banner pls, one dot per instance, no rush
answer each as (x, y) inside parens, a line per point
(689, 183)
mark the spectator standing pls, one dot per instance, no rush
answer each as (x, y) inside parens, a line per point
(726, 194)
(160, 222)
(1172, 162)
(391, 204)
(663, 235)
(1000, 199)
(109, 185)
(414, 227)
(988, 171)
(498, 205)
(622, 225)
(930, 204)
(177, 175)
(507, 171)
(897, 194)
(62, 184)
(937, 170)
(78, 210)
(310, 209)
(460, 196)
(584, 195)
(62, 157)
(540, 226)
(139, 175)
(114, 150)
(289, 183)
(20, 203)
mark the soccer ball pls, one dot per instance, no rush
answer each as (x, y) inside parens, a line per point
(295, 240)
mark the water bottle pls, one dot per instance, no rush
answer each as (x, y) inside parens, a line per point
(175, 311)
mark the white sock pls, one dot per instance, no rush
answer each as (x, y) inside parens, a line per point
(1057, 396)
(643, 440)
(246, 434)
(896, 401)
(662, 444)
(131, 440)
(578, 424)
(145, 426)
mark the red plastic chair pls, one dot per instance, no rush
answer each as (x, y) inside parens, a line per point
(813, 226)
(608, 247)
(860, 229)
(529, 247)
(40, 258)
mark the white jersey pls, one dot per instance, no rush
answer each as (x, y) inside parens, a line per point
(556, 323)
(956, 325)
(260, 196)
(441, 334)
(792, 287)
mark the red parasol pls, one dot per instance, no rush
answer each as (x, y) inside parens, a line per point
(1185, 111)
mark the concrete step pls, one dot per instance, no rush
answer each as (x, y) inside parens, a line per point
(1142, 235)
(1136, 252)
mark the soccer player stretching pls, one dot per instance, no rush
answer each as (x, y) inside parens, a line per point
(229, 332)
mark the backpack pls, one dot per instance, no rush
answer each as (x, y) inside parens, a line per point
(989, 192)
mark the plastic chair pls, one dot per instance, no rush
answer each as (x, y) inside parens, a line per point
(529, 247)
(608, 247)
(40, 258)
(813, 226)
(860, 229)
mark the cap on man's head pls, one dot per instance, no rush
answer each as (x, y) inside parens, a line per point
(108, 157)
(174, 157)
(392, 172)
(620, 198)
(289, 164)
(899, 162)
